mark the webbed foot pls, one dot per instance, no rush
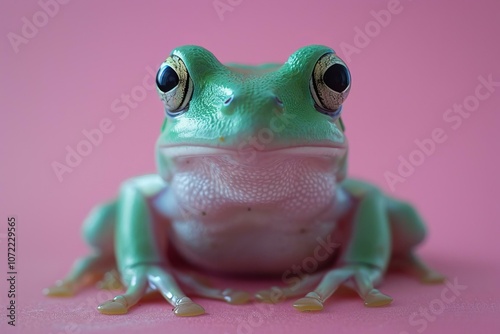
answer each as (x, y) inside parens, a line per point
(311, 302)
(413, 265)
(432, 277)
(187, 308)
(375, 298)
(111, 281)
(85, 272)
(60, 289)
(271, 296)
(117, 305)
(142, 277)
(199, 286)
(276, 294)
(360, 278)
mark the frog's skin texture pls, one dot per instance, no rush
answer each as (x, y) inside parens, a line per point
(251, 181)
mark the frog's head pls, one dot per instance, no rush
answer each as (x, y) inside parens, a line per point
(222, 118)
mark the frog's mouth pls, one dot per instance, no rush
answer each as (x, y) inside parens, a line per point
(250, 156)
(227, 163)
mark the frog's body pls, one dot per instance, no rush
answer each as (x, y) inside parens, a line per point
(252, 164)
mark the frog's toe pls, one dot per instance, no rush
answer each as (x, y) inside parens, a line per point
(265, 296)
(117, 305)
(432, 277)
(375, 298)
(311, 302)
(276, 294)
(235, 297)
(412, 264)
(271, 296)
(187, 308)
(60, 289)
(110, 281)
(199, 285)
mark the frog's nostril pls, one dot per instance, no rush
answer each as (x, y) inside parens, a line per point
(278, 101)
(229, 99)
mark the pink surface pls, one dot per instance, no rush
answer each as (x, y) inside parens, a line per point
(66, 77)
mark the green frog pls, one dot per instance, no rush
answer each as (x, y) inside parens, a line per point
(251, 180)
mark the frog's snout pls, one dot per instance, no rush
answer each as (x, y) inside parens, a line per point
(240, 104)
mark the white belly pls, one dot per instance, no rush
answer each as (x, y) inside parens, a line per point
(260, 219)
(264, 248)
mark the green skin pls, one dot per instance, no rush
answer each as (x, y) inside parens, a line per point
(244, 131)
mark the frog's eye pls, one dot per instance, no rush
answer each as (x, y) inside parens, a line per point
(174, 85)
(330, 84)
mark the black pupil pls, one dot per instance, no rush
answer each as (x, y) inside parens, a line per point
(336, 77)
(167, 79)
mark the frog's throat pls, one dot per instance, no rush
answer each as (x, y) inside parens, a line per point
(264, 180)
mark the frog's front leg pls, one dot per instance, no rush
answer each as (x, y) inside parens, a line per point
(140, 248)
(367, 254)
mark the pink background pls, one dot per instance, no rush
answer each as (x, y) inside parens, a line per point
(428, 58)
